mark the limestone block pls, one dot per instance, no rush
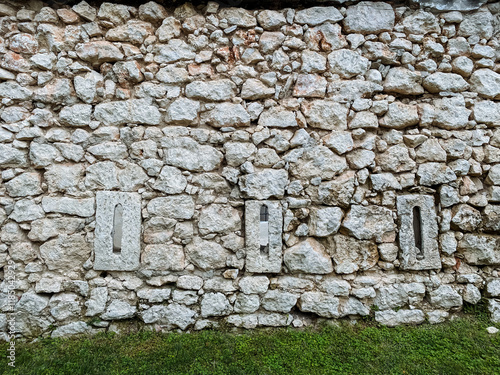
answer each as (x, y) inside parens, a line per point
(263, 238)
(318, 15)
(369, 17)
(117, 243)
(322, 304)
(308, 256)
(418, 232)
(479, 249)
(370, 222)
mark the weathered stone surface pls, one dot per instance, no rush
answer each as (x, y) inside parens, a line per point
(437, 82)
(71, 329)
(445, 297)
(70, 206)
(263, 240)
(98, 52)
(218, 218)
(278, 117)
(487, 112)
(308, 256)
(118, 310)
(96, 304)
(480, 249)
(278, 301)
(347, 63)
(316, 161)
(400, 116)
(215, 304)
(435, 174)
(465, 217)
(227, 114)
(117, 234)
(65, 253)
(238, 153)
(238, 17)
(451, 113)
(392, 318)
(369, 17)
(254, 89)
(254, 284)
(136, 111)
(418, 232)
(351, 255)
(134, 31)
(183, 111)
(24, 185)
(163, 257)
(486, 83)
(170, 181)
(12, 90)
(186, 153)
(324, 221)
(26, 210)
(370, 222)
(317, 15)
(264, 184)
(326, 115)
(421, 23)
(175, 207)
(403, 81)
(76, 115)
(206, 255)
(219, 90)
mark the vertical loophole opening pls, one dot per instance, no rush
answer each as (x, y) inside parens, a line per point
(117, 231)
(264, 229)
(417, 232)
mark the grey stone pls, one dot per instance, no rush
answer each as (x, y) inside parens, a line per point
(71, 206)
(351, 255)
(421, 23)
(369, 17)
(403, 81)
(418, 234)
(390, 297)
(98, 52)
(189, 282)
(218, 218)
(465, 217)
(217, 91)
(238, 16)
(65, 253)
(400, 116)
(254, 89)
(118, 231)
(84, 10)
(493, 288)
(435, 174)
(317, 15)
(246, 304)
(43, 229)
(278, 117)
(162, 257)
(32, 303)
(118, 310)
(86, 86)
(308, 256)
(71, 329)
(370, 222)
(317, 161)
(76, 115)
(326, 115)
(392, 318)
(170, 181)
(264, 184)
(175, 207)
(135, 111)
(169, 29)
(487, 112)
(228, 114)
(207, 255)
(254, 284)
(445, 297)
(238, 153)
(477, 23)
(26, 210)
(215, 304)
(471, 294)
(347, 63)
(486, 83)
(324, 221)
(186, 153)
(451, 113)
(183, 111)
(263, 240)
(172, 75)
(26, 184)
(12, 90)
(278, 301)
(479, 249)
(439, 81)
(96, 304)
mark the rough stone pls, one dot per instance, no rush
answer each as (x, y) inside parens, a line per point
(308, 256)
(370, 222)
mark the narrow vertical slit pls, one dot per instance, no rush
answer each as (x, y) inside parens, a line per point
(417, 232)
(117, 232)
(264, 229)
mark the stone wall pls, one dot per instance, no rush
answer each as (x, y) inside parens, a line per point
(190, 167)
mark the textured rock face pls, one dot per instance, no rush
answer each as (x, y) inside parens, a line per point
(200, 165)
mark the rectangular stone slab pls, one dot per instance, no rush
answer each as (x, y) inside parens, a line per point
(411, 257)
(126, 258)
(256, 260)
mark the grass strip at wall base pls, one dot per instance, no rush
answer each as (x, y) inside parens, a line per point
(462, 346)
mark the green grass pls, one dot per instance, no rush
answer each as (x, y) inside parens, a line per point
(459, 347)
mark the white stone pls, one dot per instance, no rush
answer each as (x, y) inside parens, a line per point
(119, 309)
(215, 304)
(370, 222)
(308, 256)
(317, 15)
